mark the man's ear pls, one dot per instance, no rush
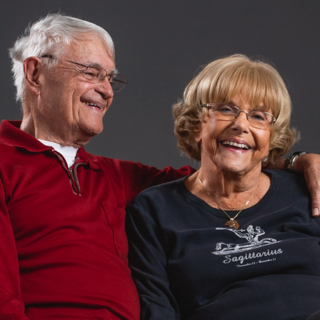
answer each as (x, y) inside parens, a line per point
(32, 72)
(197, 132)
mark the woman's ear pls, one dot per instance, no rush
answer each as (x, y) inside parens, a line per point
(197, 132)
(32, 73)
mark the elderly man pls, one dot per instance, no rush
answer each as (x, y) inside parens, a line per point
(62, 242)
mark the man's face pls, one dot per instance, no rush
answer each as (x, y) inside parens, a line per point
(69, 108)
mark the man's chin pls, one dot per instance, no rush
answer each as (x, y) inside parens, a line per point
(87, 133)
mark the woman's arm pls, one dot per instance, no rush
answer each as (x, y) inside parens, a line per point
(148, 260)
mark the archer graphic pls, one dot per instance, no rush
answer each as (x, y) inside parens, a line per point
(250, 234)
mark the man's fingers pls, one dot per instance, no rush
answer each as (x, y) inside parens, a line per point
(310, 165)
(315, 201)
(314, 188)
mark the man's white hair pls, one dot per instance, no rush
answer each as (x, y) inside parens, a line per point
(50, 35)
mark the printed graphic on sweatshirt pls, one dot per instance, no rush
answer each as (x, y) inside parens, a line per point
(251, 236)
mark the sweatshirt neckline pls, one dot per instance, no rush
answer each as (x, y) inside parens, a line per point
(245, 212)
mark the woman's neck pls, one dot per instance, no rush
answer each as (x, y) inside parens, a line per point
(228, 190)
(226, 183)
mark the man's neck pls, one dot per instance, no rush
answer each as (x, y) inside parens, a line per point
(69, 153)
(27, 125)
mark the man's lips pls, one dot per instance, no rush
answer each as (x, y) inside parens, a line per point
(94, 105)
(236, 144)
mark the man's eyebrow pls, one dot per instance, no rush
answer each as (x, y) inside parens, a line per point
(98, 65)
(115, 71)
(94, 64)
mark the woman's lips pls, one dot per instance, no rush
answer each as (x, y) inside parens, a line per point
(236, 145)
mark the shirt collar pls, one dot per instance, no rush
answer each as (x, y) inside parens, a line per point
(11, 134)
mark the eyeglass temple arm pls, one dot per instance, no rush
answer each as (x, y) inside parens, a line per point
(47, 56)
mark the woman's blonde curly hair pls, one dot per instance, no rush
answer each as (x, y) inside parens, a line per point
(220, 81)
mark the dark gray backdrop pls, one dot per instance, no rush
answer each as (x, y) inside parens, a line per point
(161, 44)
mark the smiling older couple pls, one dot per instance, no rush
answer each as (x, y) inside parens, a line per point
(62, 210)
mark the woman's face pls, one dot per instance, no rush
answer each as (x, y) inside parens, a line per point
(232, 146)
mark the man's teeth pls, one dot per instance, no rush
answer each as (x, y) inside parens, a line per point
(235, 144)
(91, 104)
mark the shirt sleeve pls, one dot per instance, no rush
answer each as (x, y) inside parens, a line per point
(147, 260)
(11, 305)
(140, 177)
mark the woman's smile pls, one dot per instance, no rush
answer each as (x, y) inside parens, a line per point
(232, 145)
(235, 145)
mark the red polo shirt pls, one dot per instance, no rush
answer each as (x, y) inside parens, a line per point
(63, 247)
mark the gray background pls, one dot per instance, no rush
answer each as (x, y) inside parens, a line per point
(160, 45)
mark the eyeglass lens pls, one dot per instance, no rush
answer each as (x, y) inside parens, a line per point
(118, 83)
(94, 75)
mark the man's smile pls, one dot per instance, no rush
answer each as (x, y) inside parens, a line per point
(94, 104)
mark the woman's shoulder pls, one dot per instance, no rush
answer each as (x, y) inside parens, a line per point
(290, 183)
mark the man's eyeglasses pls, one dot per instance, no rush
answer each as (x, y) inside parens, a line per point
(94, 73)
(256, 118)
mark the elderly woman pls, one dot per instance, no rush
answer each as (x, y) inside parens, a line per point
(231, 241)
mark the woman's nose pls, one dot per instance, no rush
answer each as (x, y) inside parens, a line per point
(245, 112)
(241, 122)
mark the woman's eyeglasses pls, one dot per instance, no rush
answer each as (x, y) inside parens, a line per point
(256, 118)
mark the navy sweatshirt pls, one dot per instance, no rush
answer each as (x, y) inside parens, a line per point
(188, 265)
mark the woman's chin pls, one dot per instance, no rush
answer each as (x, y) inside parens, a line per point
(240, 168)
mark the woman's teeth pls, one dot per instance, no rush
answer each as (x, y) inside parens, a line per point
(235, 144)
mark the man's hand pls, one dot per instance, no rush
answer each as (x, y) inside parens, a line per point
(309, 165)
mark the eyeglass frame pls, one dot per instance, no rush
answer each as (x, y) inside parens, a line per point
(211, 105)
(115, 72)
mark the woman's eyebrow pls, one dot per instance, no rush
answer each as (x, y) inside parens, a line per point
(256, 107)
(232, 103)
(260, 107)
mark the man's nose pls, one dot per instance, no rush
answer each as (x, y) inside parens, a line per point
(104, 88)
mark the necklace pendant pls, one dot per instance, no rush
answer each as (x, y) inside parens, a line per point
(232, 224)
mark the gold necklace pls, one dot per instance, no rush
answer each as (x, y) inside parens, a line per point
(232, 223)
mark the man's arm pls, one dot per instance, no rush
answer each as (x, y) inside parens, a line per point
(138, 177)
(11, 305)
(144, 176)
(309, 165)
